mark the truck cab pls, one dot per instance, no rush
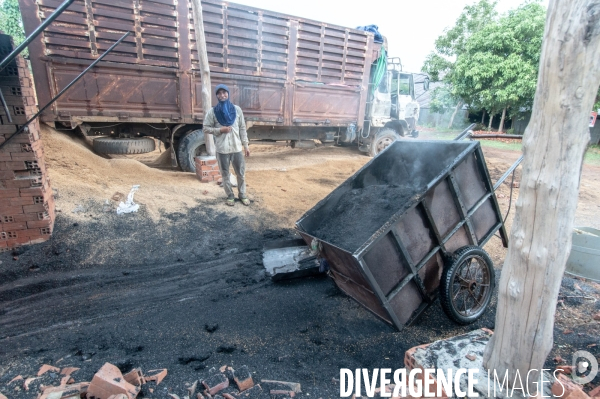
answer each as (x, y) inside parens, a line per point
(392, 112)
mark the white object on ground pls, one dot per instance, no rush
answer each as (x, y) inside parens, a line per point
(129, 206)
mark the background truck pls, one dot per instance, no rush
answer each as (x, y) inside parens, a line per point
(295, 79)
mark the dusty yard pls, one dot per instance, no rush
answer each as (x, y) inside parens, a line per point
(148, 289)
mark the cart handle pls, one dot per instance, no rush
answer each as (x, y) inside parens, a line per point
(508, 172)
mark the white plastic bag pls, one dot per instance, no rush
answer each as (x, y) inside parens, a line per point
(129, 206)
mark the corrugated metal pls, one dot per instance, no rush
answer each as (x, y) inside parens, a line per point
(281, 69)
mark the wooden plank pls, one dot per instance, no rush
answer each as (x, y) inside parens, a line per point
(241, 14)
(308, 71)
(144, 7)
(356, 54)
(126, 4)
(240, 53)
(240, 43)
(69, 30)
(69, 18)
(170, 23)
(310, 38)
(113, 14)
(309, 28)
(121, 49)
(267, 19)
(268, 47)
(334, 42)
(335, 33)
(242, 25)
(274, 57)
(213, 29)
(307, 46)
(211, 18)
(282, 31)
(63, 42)
(165, 2)
(240, 62)
(312, 63)
(149, 31)
(251, 36)
(119, 27)
(56, 3)
(309, 55)
(159, 53)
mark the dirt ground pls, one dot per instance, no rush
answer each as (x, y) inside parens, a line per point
(147, 289)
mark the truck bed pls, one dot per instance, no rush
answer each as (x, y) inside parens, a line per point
(282, 70)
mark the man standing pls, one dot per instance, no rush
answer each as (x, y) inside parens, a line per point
(226, 122)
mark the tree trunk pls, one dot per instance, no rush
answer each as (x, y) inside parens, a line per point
(501, 128)
(491, 119)
(483, 116)
(204, 69)
(553, 145)
(454, 114)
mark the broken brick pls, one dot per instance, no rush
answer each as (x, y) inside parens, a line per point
(45, 368)
(192, 389)
(70, 391)
(135, 377)
(215, 383)
(158, 375)
(109, 381)
(279, 394)
(243, 378)
(68, 370)
(2, 396)
(565, 369)
(119, 396)
(564, 387)
(28, 381)
(594, 393)
(17, 378)
(252, 393)
(292, 386)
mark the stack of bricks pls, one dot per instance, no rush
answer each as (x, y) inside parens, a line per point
(26, 202)
(207, 169)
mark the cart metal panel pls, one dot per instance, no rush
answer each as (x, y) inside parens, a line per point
(394, 268)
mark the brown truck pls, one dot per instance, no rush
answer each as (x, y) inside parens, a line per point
(295, 79)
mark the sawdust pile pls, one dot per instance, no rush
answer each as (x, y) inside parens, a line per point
(81, 176)
(283, 182)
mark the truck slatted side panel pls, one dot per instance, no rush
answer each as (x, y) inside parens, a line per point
(281, 70)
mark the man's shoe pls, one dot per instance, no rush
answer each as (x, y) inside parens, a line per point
(245, 201)
(230, 201)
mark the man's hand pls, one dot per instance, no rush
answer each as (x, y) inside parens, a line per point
(225, 129)
(247, 151)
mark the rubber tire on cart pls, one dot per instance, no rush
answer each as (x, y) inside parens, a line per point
(382, 140)
(190, 146)
(111, 145)
(468, 278)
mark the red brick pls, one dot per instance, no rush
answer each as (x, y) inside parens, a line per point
(109, 381)
(25, 156)
(566, 388)
(5, 157)
(17, 183)
(594, 393)
(14, 226)
(216, 383)
(39, 223)
(7, 174)
(33, 192)
(9, 193)
(10, 210)
(243, 378)
(21, 201)
(34, 208)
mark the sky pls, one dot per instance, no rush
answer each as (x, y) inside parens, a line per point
(411, 27)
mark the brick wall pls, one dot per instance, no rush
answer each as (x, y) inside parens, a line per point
(26, 202)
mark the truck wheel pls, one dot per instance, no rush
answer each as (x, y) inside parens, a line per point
(382, 140)
(111, 145)
(467, 285)
(190, 146)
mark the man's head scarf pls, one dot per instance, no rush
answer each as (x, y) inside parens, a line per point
(225, 110)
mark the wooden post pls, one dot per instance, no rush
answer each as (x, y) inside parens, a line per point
(204, 69)
(554, 144)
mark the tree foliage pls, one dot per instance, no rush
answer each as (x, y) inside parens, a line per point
(10, 21)
(499, 65)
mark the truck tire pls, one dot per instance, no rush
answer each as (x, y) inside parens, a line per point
(111, 145)
(467, 284)
(190, 146)
(382, 140)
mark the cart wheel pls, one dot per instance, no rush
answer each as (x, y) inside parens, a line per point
(467, 284)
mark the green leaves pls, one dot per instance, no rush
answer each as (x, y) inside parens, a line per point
(10, 21)
(489, 61)
(499, 66)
